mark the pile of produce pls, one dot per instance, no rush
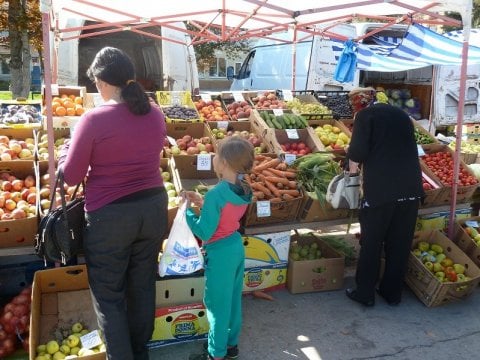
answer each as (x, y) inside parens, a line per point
(15, 323)
(473, 233)
(67, 344)
(268, 100)
(42, 146)
(338, 243)
(466, 147)
(211, 110)
(422, 138)
(11, 149)
(314, 173)
(402, 98)
(332, 137)
(284, 121)
(180, 112)
(298, 148)
(239, 110)
(253, 138)
(18, 197)
(300, 107)
(435, 260)
(441, 163)
(67, 105)
(304, 252)
(188, 145)
(20, 114)
(272, 179)
(338, 104)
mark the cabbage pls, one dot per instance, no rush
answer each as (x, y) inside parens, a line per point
(410, 103)
(395, 94)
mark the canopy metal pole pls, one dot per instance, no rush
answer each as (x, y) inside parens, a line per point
(48, 98)
(294, 56)
(460, 112)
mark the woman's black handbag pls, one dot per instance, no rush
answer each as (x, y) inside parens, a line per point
(60, 232)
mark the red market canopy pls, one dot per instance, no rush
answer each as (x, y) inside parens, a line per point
(236, 20)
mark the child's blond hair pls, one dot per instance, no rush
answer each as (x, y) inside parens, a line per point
(238, 153)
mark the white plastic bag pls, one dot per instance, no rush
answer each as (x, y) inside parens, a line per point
(182, 254)
(343, 192)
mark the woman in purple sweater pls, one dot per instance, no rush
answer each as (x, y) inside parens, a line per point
(116, 148)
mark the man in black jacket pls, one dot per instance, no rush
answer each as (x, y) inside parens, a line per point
(383, 144)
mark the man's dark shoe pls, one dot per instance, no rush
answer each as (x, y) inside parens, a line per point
(389, 302)
(352, 294)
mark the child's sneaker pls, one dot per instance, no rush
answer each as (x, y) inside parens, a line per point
(203, 356)
(232, 352)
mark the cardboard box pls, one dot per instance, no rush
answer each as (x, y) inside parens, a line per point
(177, 131)
(312, 210)
(58, 91)
(432, 221)
(175, 290)
(60, 298)
(276, 138)
(423, 282)
(315, 275)
(310, 99)
(179, 324)
(228, 98)
(464, 241)
(177, 98)
(18, 232)
(266, 278)
(464, 193)
(266, 249)
(186, 175)
(169, 185)
(235, 126)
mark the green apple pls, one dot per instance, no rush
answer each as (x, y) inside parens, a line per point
(461, 277)
(437, 267)
(72, 341)
(58, 356)
(423, 246)
(52, 347)
(459, 268)
(84, 332)
(428, 265)
(41, 348)
(440, 275)
(171, 193)
(65, 349)
(165, 176)
(168, 185)
(437, 248)
(447, 262)
(40, 357)
(77, 327)
(74, 350)
(417, 253)
(441, 257)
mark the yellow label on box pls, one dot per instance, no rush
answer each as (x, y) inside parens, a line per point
(266, 249)
(265, 278)
(179, 324)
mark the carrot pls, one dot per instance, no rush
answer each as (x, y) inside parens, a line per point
(290, 192)
(260, 158)
(292, 184)
(282, 166)
(272, 188)
(287, 197)
(262, 295)
(277, 179)
(260, 187)
(267, 172)
(259, 195)
(247, 178)
(267, 164)
(284, 173)
(275, 200)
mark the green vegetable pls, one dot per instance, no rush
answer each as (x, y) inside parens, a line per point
(338, 243)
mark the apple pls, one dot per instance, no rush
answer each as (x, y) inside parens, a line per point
(187, 138)
(65, 349)
(45, 204)
(168, 185)
(25, 154)
(165, 175)
(72, 341)
(52, 347)
(32, 198)
(201, 147)
(16, 196)
(181, 144)
(77, 327)
(171, 193)
(175, 150)
(6, 185)
(17, 185)
(10, 204)
(209, 148)
(45, 193)
(15, 147)
(193, 150)
(5, 156)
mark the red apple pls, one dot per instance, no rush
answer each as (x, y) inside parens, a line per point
(6, 185)
(17, 184)
(29, 181)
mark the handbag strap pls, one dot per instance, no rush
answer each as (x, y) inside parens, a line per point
(60, 183)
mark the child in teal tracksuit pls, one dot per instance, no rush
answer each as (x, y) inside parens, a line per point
(221, 211)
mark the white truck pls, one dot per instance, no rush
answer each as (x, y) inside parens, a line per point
(269, 66)
(159, 65)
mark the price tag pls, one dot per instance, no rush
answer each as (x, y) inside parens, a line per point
(222, 125)
(263, 208)
(290, 158)
(420, 150)
(292, 133)
(176, 100)
(278, 112)
(171, 140)
(287, 95)
(205, 97)
(237, 96)
(472, 223)
(91, 339)
(204, 162)
(54, 88)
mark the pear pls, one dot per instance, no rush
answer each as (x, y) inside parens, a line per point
(437, 248)
(459, 268)
(423, 246)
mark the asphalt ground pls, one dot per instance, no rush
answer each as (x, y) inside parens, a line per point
(330, 326)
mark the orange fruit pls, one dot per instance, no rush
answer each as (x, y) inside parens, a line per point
(68, 104)
(78, 100)
(60, 111)
(64, 96)
(72, 97)
(79, 110)
(70, 111)
(55, 98)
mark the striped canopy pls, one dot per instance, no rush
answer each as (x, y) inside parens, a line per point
(419, 48)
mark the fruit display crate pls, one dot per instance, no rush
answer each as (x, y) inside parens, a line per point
(265, 100)
(466, 242)
(432, 196)
(20, 113)
(306, 99)
(425, 284)
(464, 193)
(178, 106)
(421, 133)
(245, 129)
(210, 107)
(312, 210)
(337, 101)
(276, 138)
(237, 106)
(66, 100)
(185, 138)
